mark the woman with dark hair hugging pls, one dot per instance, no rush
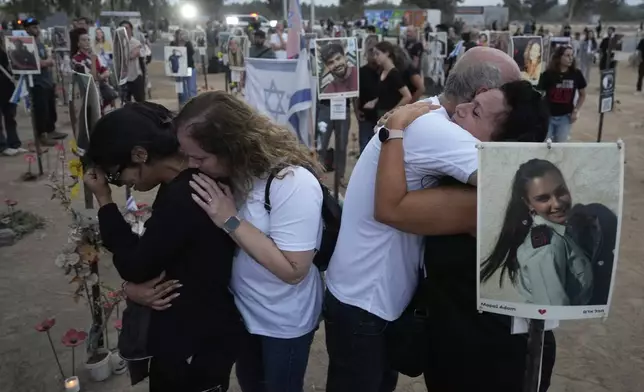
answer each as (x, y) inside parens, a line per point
(193, 341)
(465, 350)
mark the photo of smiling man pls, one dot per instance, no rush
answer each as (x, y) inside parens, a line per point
(548, 247)
(337, 67)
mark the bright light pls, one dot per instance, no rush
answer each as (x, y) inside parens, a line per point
(272, 23)
(188, 11)
(232, 20)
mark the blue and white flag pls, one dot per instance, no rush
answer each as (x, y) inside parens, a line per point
(130, 204)
(20, 91)
(281, 89)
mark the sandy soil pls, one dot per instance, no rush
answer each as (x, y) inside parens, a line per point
(593, 355)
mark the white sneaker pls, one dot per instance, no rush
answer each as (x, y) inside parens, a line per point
(21, 150)
(9, 152)
(637, 93)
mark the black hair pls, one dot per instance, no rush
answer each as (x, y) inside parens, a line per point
(397, 54)
(331, 50)
(74, 36)
(528, 117)
(517, 222)
(141, 124)
(126, 22)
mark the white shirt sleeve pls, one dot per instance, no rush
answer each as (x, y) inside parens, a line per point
(436, 146)
(295, 219)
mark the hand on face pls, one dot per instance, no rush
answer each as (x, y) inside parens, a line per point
(214, 198)
(96, 182)
(402, 116)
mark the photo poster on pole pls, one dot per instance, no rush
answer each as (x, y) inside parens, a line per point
(607, 90)
(84, 108)
(200, 41)
(550, 44)
(528, 54)
(337, 67)
(176, 61)
(484, 38)
(501, 40)
(558, 272)
(237, 50)
(437, 44)
(368, 44)
(60, 39)
(121, 55)
(23, 55)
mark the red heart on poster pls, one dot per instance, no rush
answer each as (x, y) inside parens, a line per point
(542, 311)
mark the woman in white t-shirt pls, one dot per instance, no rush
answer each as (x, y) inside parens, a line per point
(278, 41)
(277, 288)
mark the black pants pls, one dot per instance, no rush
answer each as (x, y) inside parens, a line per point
(207, 371)
(640, 75)
(356, 343)
(44, 107)
(8, 114)
(136, 89)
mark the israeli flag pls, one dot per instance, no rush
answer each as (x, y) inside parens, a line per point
(21, 90)
(281, 89)
(130, 204)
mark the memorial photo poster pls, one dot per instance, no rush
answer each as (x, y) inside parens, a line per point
(337, 67)
(176, 61)
(368, 44)
(121, 55)
(484, 38)
(238, 47)
(60, 39)
(101, 39)
(23, 56)
(548, 237)
(528, 54)
(501, 40)
(437, 44)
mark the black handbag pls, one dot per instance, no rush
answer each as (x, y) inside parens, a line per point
(407, 339)
(108, 94)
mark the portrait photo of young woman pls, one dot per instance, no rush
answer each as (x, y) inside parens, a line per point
(555, 238)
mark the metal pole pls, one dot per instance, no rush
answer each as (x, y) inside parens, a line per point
(534, 355)
(601, 127)
(33, 126)
(336, 158)
(205, 70)
(285, 9)
(312, 21)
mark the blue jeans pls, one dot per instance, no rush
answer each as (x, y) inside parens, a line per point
(267, 364)
(559, 128)
(365, 133)
(8, 114)
(356, 343)
(189, 84)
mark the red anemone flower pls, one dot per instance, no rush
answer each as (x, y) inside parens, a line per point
(73, 338)
(141, 205)
(60, 147)
(115, 294)
(46, 325)
(118, 324)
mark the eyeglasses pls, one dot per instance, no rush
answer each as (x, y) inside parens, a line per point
(113, 178)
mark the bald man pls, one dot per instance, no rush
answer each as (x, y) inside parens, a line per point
(374, 270)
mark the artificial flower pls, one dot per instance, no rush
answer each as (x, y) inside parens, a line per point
(67, 260)
(46, 325)
(10, 202)
(73, 338)
(118, 324)
(73, 147)
(74, 190)
(88, 253)
(75, 168)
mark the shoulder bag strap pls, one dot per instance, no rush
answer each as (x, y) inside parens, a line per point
(267, 193)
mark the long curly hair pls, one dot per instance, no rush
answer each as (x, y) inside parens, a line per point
(250, 143)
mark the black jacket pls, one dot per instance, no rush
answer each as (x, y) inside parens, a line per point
(467, 350)
(6, 85)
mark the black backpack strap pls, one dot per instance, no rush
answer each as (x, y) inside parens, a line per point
(267, 193)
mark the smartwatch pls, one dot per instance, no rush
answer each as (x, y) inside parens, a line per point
(385, 134)
(231, 224)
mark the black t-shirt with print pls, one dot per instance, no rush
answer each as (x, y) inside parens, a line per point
(414, 48)
(388, 91)
(560, 89)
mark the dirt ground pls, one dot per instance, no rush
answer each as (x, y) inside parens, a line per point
(593, 356)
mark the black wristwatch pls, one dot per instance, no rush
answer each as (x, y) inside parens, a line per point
(231, 224)
(385, 134)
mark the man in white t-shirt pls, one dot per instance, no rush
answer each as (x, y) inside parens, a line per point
(374, 270)
(135, 77)
(278, 41)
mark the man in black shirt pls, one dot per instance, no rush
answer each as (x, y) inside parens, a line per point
(640, 69)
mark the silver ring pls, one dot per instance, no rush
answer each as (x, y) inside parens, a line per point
(209, 200)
